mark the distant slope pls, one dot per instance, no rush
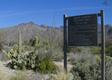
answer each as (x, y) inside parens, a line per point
(30, 30)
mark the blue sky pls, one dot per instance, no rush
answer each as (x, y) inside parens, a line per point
(49, 12)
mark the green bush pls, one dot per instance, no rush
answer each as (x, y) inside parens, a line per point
(109, 50)
(47, 66)
(95, 50)
(33, 61)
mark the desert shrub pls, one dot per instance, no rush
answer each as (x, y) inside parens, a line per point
(1, 46)
(95, 50)
(47, 66)
(24, 61)
(108, 68)
(39, 59)
(57, 55)
(54, 54)
(84, 70)
(109, 50)
(82, 57)
(33, 61)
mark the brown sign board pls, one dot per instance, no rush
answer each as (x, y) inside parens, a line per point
(82, 30)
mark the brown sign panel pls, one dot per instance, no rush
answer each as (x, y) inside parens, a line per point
(82, 30)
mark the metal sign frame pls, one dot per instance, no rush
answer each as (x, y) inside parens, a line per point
(101, 15)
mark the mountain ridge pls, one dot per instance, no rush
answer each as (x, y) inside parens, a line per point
(29, 30)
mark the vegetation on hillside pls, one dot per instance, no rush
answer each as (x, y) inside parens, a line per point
(37, 53)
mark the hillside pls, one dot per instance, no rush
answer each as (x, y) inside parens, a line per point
(39, 61)
(30, 30)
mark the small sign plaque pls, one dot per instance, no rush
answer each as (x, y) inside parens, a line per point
(82, 30)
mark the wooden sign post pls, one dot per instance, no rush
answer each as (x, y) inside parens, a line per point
(82, 31)
(102, 46)
(65, 42)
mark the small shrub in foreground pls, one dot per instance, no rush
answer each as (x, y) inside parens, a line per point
(47, 66)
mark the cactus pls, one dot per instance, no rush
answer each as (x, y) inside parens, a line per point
(19, 42)
(31, 59)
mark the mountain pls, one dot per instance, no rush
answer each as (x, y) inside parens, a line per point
(108, 33)
(30, 30)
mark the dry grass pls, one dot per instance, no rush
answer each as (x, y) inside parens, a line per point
(9, 74)
(5, 73)
(61, 67)
(62, 75)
